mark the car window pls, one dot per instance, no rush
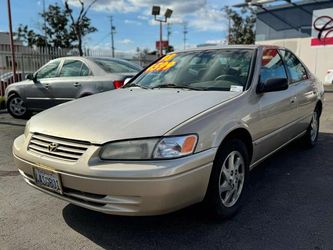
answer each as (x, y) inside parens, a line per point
(49, 70)
(216, 70)
(272, 66)
(115, 66)
(73, 68)
(295, 68)
(84, 70)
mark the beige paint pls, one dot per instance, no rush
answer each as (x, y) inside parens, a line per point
(150, 187)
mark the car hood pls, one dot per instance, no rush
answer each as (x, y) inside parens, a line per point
(125, 113)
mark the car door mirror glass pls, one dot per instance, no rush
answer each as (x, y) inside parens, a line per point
(29, 77)
(32, 77)
(273, 85)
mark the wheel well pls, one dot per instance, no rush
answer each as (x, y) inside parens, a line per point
(13, 92)
(243, 135)
(319, 106)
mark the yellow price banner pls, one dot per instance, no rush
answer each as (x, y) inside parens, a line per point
(163, 65)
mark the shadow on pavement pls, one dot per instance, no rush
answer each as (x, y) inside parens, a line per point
(289, 205)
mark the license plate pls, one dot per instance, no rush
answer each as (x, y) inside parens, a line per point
(48, 179)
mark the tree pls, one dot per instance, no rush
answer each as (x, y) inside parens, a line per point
(80, 26)
(242, 25)
(29, 37)
(61, 29)
(57, 29)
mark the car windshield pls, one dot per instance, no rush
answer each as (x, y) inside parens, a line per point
(115, 66)
(221, 70)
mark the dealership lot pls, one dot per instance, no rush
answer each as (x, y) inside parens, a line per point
(289, 206)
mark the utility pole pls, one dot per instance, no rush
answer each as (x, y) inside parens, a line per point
(11, 40)
(44, 21)
(185, 31)
(113, 31)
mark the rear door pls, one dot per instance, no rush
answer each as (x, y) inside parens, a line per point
(74, 78)
(278, 110)
(303, 85)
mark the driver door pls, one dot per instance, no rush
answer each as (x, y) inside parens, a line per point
(39, 95)
(278, 110)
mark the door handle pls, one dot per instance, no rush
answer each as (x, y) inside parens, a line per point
(77, 84)
(46, 85)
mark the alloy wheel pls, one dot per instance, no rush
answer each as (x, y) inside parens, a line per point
(314, 126)
(17, 106)
(231, 180)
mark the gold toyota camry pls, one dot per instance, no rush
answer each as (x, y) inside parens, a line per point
(187, 129)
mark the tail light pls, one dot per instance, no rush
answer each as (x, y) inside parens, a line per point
(117, 84)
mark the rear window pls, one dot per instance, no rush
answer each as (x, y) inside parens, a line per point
(114, 66)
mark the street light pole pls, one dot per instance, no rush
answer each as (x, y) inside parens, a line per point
(155, 13)
(161, 38)
(11, 40)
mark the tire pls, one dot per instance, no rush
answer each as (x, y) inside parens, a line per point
(310, 138)
(17, 108)
(228, 183)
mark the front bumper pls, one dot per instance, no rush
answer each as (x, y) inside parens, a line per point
(137, 190)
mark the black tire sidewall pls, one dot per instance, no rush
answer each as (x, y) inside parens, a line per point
(213, 200)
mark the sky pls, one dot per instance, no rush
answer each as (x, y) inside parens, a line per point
(134, 23)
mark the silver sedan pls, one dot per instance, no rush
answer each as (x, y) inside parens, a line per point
(65, 79)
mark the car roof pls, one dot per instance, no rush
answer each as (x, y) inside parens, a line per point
(217, 47)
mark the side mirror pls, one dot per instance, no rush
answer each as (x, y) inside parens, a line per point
(273, 85)
(31, 77)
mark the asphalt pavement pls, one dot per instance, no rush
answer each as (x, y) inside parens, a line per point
(289, 206)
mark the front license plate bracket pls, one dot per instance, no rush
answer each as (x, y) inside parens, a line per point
(47, 179)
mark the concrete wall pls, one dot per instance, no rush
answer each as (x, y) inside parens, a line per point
(317, 58)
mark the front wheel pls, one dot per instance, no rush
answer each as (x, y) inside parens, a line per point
(17, 108)
(228, 179)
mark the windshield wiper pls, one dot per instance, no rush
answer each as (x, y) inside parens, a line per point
(174, 86)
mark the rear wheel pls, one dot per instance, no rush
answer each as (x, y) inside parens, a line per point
(17, 108)
(228, 179)
(311, 136)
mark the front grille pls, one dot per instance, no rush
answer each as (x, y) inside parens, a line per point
(55, 147)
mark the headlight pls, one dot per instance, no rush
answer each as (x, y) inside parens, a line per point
(129, 150)
(173, 147)
(147, 149)
(27, 129)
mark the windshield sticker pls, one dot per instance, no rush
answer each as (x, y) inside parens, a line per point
(236, 88)
(162, 65)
